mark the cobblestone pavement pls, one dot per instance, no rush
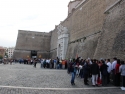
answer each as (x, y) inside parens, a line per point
(25, 79)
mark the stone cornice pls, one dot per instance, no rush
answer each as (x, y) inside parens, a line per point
(112, 6)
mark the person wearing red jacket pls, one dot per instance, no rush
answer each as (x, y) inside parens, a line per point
(117, 73)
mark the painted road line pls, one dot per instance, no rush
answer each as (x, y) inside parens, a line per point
(34, 88)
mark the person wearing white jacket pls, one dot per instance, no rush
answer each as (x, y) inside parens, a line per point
(122, 71)
(113, 69)
(108, 70)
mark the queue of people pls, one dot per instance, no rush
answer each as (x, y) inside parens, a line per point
(44, 63)
(102, 72)
(53, 63)
(7, 61)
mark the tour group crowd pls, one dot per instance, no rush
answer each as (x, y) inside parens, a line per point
(101, 72)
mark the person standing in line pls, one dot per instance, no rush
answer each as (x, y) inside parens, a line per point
(35, 62)
(100, 75)
(58, 62)
(109, 70)
(44, 63)
(73, 72)
(11, 61)
(94, 72)
(63, 64)
(47, 63)
(50, 64)
(55, 63)
(113, 69)
(41, 61)
(86, 70)
(117, 73)
(31, 61)
(122, 71)
(104, 73)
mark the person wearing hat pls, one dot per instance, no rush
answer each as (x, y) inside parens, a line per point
(122, 71)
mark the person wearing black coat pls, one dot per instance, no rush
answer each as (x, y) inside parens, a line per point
(94, 71)
(35, 62)
(86, 71)
(73, 72)
(104, 73)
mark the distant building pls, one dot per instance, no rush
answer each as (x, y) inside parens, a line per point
(2, 52)
(9, 52)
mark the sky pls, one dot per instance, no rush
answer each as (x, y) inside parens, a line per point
(33, 15)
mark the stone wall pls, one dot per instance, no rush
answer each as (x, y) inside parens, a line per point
(85, 21)
(84, 48)
(72, 5)
(53, 44)
(110, 2)
(33, 40)
(18, 54)
(112, 40)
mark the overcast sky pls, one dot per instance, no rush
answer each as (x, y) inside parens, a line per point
(33, 15)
